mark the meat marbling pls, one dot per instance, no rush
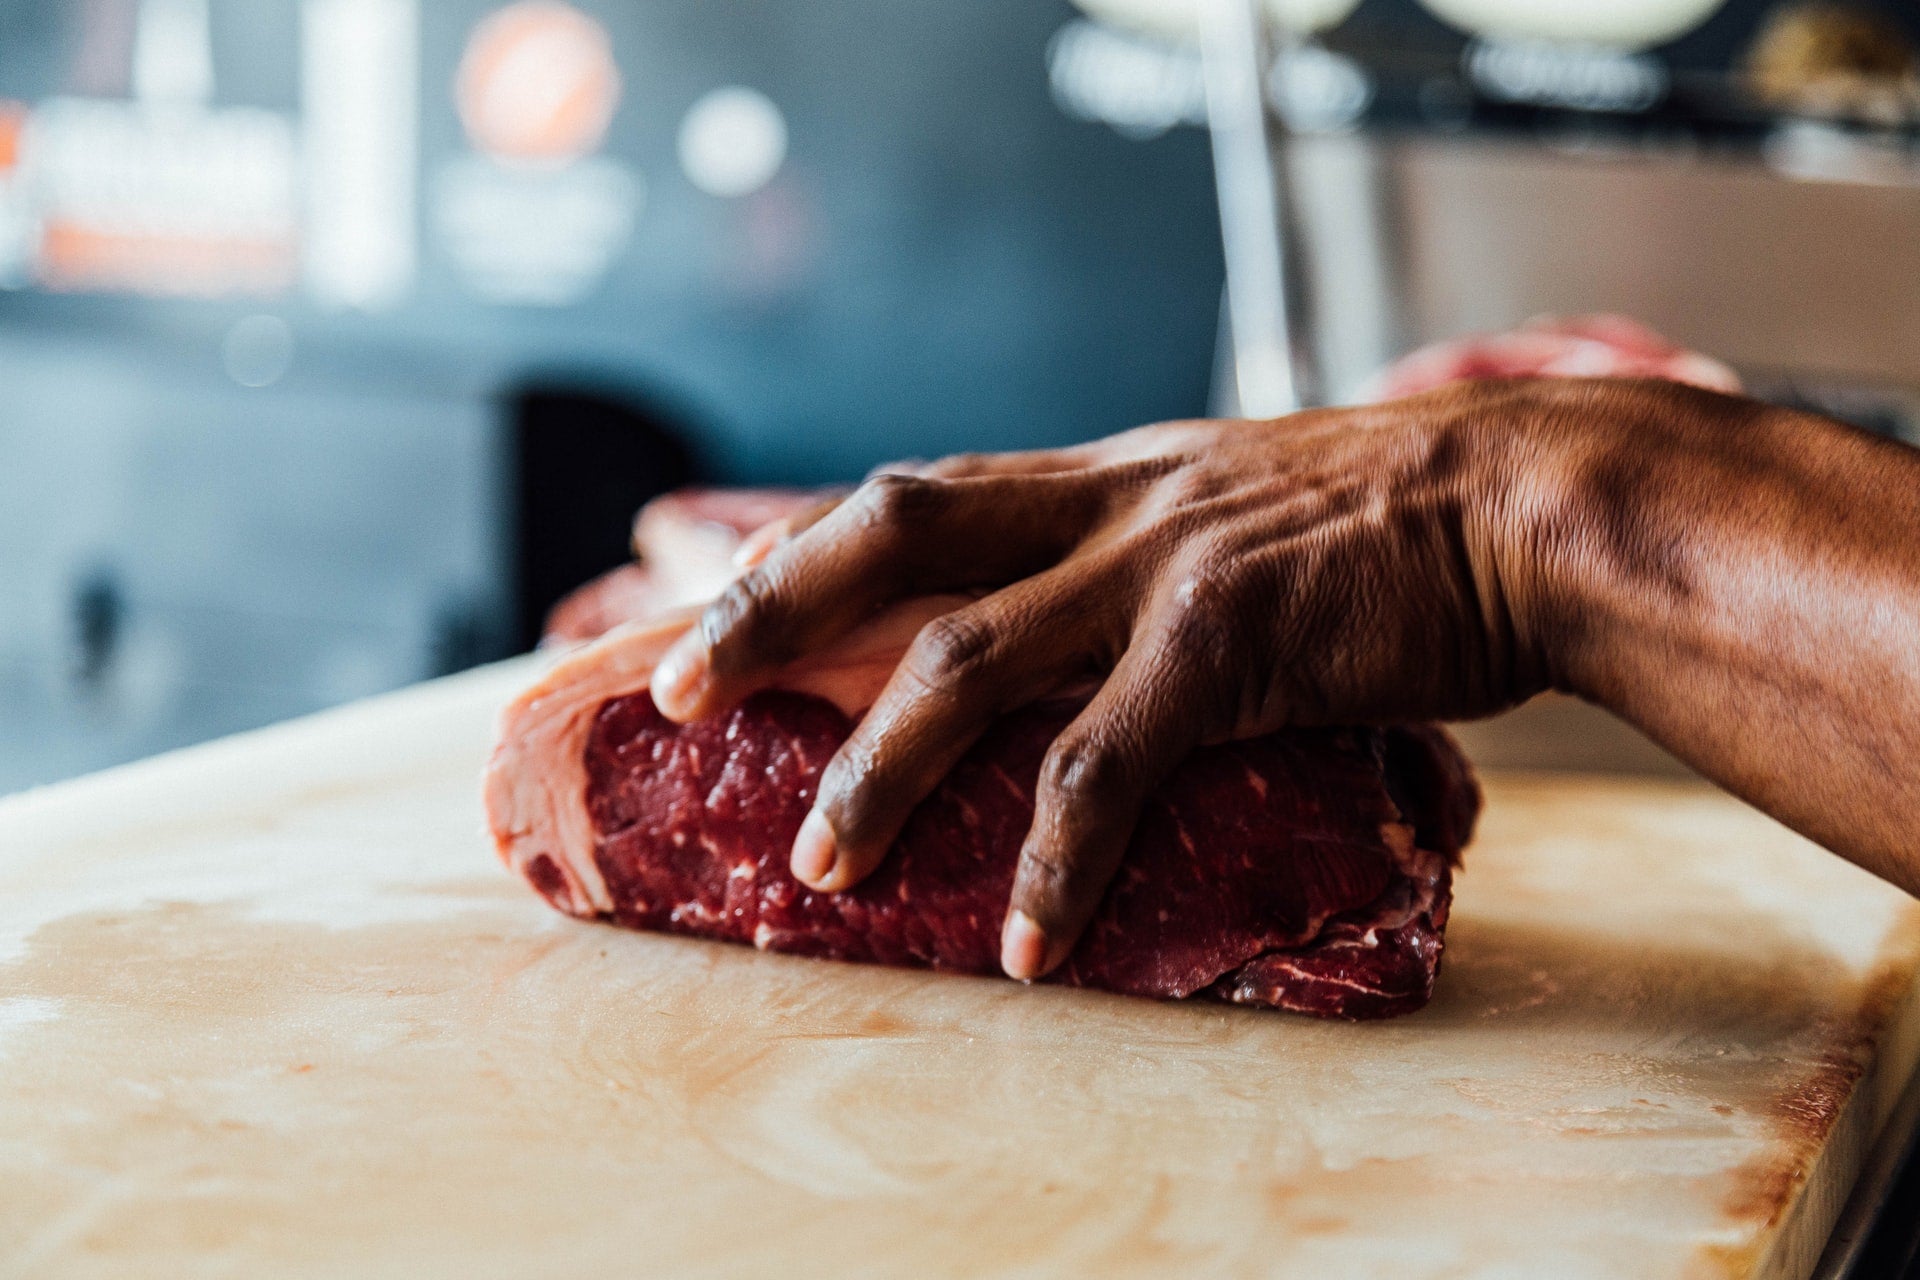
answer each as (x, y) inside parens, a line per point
(1308, 870)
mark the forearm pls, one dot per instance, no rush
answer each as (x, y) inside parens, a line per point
(1743, 584)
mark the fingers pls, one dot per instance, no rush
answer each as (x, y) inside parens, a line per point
(762, 542)
(1156, 707)
(1132, 456)
(896, 537)
(963, 671)
(967, 466)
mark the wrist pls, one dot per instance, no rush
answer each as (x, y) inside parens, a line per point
(1602, 494)
(1570, 518)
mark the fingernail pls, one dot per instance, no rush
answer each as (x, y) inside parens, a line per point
(813, 850)
(679, 680)
(1023, 947)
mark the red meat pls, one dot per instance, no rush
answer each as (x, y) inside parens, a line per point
(1308, 870)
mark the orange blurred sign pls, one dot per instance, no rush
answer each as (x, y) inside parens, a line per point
(19, 216)
(13, 118)
(193, 202)
(538, 83)
(76, 257)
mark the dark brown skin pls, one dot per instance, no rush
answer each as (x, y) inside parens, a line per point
(1741, 582)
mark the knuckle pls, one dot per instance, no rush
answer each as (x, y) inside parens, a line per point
(852, 791)
(1085, 767)
(743, 603)
(873, 783)
(896, 502)
(1206, 607)
(953, 650)
(744, 622)
(849, 768)
(1205, 586)
(1045, 873)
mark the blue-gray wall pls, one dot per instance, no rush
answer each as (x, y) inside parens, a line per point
(977, 271)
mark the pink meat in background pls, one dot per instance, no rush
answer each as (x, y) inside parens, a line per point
(1595, 346)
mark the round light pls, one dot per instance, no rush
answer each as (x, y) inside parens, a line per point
(732, 142)
(258, 351)
(538, 83)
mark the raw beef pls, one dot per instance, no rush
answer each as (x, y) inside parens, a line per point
(1306, 870)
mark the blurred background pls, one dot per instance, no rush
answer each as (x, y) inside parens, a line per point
(339, 337)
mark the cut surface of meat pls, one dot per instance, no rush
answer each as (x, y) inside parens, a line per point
(1308, 870)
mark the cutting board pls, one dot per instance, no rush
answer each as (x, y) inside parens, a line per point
(270, 1008)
